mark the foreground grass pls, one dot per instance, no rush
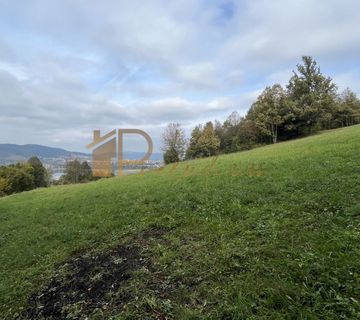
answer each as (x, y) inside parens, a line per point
(267, 234)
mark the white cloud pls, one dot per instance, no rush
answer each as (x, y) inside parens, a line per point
(68, 66)
(281, 77)
(201, 74)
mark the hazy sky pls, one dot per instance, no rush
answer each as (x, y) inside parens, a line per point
(70, 66)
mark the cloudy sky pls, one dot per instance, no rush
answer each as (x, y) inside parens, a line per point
(70, 66)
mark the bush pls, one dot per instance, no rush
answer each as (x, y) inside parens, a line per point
(171, 156)
(17, 178)
(4, 186)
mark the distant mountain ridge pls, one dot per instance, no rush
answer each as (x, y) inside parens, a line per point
(23, 152)
(15, 152)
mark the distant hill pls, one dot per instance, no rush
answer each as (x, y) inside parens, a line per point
(15, 152)
(23, 152)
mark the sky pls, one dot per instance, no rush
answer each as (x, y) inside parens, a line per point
(68, 67)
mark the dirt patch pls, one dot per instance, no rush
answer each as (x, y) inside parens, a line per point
(87, 283)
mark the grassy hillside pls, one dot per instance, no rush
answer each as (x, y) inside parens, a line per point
(267, 234)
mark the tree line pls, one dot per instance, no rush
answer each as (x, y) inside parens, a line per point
(310, 102)
(25, 176)
(76, 172)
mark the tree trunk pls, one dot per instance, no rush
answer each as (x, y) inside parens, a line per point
(274, 132)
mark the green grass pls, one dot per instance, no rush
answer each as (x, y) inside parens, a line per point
(271, 233)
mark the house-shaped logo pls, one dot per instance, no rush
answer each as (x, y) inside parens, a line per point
(110, 146)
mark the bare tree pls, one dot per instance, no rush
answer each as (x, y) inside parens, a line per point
(174, 143)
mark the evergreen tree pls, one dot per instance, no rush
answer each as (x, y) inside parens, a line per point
(85, 172)
(40, 172)
(193, 150)
(171, 156)
(314, 96)
(348, 109)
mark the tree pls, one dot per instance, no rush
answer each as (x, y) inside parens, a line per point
(268, 113)
(221, 134)
(229, 137)
(72, 172)
(174, 143)
(193, 150)
(76, 172)
(248, 134)
(41, 177)
(348, 109)
(309, 103)
(85, 172)
(208, 143)
(314, 95)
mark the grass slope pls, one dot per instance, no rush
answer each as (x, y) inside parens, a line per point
(267, 234)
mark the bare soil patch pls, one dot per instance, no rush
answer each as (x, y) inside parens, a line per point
(87, 283)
